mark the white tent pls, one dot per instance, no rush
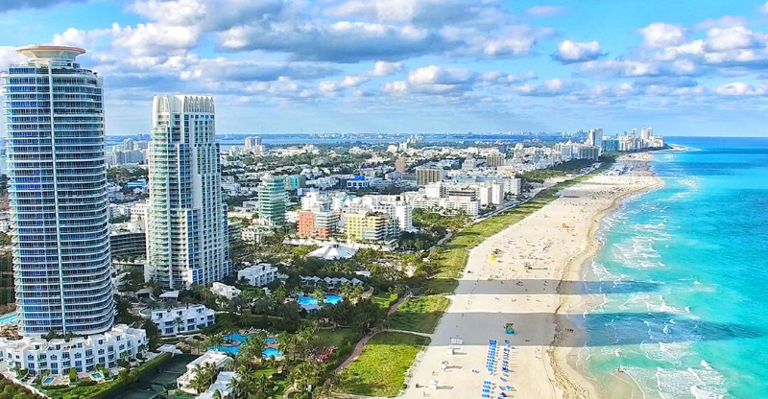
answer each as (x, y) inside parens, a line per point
(333, 252)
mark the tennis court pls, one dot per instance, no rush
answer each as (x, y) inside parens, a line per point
(167, 374)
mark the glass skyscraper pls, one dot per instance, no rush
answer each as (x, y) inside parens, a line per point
(54, 118)
(187, 241)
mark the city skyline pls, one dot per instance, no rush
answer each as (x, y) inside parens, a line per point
(412, 66)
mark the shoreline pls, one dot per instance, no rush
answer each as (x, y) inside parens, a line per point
(525, 275)
(570, 338)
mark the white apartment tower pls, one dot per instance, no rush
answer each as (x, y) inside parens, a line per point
(187, 241)
(54, 119)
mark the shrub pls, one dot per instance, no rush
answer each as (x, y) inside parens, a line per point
(72, 375)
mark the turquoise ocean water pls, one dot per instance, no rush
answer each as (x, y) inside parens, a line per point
(682, 303)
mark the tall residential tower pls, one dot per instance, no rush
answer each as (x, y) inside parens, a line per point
(54, 115)
(186, 219)
(54, 119)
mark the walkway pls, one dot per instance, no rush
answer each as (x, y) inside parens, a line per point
(359, 347)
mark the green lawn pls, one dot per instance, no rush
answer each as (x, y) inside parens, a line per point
(384, 300)
(380, 369)
(452, 256)
(339, 337)
(419, 314)
(281, 384)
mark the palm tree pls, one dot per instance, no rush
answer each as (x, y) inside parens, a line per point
(216, 341)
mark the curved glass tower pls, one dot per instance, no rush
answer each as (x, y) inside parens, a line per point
(54, 118)
(186, 219)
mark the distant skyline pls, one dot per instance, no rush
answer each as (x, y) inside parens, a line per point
(685, 67)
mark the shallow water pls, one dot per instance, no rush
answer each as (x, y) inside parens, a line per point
(696, 327)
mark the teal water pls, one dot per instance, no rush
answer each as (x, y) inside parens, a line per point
(683, 308)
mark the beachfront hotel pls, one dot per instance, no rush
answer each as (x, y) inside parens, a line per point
(54, 119)
(187, 239)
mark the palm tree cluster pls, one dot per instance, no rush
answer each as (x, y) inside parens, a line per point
(205, 376)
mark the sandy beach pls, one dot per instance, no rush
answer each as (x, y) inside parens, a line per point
(527, 275)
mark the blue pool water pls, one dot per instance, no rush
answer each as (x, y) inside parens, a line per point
(9, 318)
(269, 352)
(308, 300)
(240, 339)
(48, 380)
(237, 337)
(96, 376)
(683, 272)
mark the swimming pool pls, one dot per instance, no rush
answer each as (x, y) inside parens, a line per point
(96, 376)
(269, 352)
(10, 318)
(237, 337)
(233, 350)
(48, 380)
(270, 340)
(308, 300)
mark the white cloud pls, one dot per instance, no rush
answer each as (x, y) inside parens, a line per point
(737, 37)
(741, 89)
(432, 75)
(618, 68)
(570, 52)
(764, 8)
(383, 68)
(8, 56)
(550, 88)
(660, 34)
(546, 11)
(398, 87)
(727, 21)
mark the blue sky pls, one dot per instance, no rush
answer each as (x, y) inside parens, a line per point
(683, 67)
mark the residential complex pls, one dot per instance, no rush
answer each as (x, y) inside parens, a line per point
(258, 275)
(182, 319)
(186, 218)
(272, 198)
(57, 186)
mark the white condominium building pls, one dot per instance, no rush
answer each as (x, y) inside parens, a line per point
(81, 353)
(183, 319)
(54, 119)
(258, 275)
(187, 239)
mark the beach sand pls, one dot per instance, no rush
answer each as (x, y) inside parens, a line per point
(532, 282)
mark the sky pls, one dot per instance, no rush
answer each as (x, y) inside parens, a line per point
(684, 67)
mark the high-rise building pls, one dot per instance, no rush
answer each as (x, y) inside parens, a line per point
(58, 193)
(54, 119)
(595, 137)
(187, 239)
(251, 142)
(401, 165)
(425, 176)
(272, 200)
(494, 159)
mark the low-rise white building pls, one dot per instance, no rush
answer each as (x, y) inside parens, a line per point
(216, 358)
(223, 385)
(183, 319)
(37, 354)
(227, 291)
(258, 275)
